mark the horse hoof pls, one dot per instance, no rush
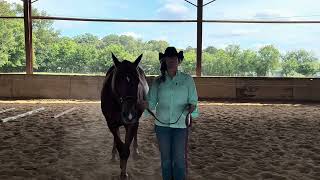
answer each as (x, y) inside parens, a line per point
(115, 157)
(136, 156)
(124, 176)
(136, 151)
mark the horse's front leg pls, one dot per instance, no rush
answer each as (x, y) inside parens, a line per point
(130, 132)
(114, 148)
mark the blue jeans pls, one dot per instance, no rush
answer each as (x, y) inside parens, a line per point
(172, 144)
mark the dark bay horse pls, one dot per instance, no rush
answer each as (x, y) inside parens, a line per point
(124, 87)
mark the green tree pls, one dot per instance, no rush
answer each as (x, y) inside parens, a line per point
(150, 62)
(210, 50)
(218, 64)
(189, 63)
(289, 64)
(154, 45)
(234, 52)
(299, 62)
(108, 40)
(308, 63)
(130, 44)
(246, 63)
(104, 61)
(267, 60)
(12, 54)
(208, 64)
(87, 39)
(66, 50)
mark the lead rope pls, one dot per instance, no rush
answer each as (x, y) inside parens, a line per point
(188, 124)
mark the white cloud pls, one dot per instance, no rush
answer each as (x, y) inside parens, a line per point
(234, 33)
(116, 4)
(273, 14)
(242, 32)
(173, 11)
(133, 34)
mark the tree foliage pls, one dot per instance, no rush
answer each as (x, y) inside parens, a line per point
(88, 53)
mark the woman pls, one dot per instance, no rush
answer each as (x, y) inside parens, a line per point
(173, 94)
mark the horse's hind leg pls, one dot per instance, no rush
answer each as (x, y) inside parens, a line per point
(114, 148)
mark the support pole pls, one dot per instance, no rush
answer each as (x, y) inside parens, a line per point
(199, 36)
(28, 35)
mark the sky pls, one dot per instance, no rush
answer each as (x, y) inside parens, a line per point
(286, 37)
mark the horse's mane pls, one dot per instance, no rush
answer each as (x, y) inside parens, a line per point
(110, 70)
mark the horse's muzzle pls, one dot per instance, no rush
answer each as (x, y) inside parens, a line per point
(129, 118)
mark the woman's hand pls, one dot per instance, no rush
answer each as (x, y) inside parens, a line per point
(190, 108)
(143, 105)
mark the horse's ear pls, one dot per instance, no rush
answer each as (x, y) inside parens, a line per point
(115, 60)
(137, 61)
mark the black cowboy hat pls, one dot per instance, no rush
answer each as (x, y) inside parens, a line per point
(170, 52)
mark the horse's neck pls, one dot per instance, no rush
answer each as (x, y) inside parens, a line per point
(109, 74)
(113, 81)
(110, 79)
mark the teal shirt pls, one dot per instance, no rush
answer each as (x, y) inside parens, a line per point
(170, 98)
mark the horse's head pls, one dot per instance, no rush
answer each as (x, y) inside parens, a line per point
(125, 85)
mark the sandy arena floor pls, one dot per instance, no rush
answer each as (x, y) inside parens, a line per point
(228, 141)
